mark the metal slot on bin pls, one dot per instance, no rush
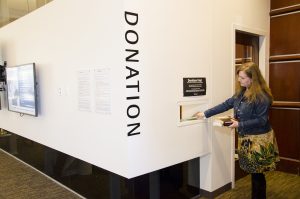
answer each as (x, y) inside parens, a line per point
(186, 110)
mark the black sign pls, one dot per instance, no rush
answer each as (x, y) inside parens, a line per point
(194, 86)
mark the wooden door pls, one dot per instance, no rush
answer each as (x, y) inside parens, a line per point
(284, 75)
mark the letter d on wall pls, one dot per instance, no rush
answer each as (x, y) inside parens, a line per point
(131, 18)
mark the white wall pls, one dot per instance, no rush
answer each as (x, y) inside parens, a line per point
(80, 36)
(175, 43)
(62, 38)
(183, 39)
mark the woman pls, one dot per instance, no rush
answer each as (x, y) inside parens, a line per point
(257, 148)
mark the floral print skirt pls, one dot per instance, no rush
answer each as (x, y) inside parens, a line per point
(258, 153)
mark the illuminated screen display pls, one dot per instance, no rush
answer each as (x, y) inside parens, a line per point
(21, 89)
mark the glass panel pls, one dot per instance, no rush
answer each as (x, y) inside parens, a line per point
(180, 181)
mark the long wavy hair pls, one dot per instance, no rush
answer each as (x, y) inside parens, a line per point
(258, 90)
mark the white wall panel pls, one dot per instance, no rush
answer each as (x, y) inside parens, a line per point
(64, 37)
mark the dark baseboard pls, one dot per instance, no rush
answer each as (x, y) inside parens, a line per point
(289, 166)
(215, 193)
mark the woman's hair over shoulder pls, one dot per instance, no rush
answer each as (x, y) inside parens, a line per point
(258, 90)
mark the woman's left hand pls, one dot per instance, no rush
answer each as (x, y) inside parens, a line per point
(234, 124)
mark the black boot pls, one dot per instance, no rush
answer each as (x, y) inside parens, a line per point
(258, 186)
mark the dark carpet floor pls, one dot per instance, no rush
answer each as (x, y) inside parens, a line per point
(280, 185)
(19, 181)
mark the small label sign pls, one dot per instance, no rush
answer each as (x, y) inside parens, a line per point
(194, 86)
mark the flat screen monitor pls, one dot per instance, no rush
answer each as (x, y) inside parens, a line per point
(21, 89)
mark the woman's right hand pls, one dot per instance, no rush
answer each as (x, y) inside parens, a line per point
(199, 115)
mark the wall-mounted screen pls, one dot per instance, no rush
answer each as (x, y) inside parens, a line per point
(21, 89)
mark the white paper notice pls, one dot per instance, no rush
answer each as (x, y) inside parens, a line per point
(84, 90)
(94, 90)
(102, 90)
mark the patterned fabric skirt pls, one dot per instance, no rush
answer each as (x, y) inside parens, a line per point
(258, 153)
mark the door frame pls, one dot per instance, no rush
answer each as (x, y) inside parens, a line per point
(263, 65)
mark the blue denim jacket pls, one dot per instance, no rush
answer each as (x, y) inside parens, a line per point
(253, 117)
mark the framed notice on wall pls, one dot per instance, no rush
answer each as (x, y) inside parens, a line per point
(194, 86)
